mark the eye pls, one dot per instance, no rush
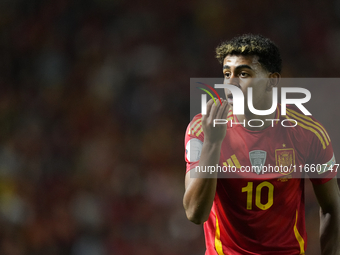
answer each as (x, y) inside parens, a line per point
(244, 75)
(227, 74)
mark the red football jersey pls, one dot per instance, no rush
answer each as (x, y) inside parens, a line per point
(262, 212)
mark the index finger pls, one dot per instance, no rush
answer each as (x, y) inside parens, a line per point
(209, 105)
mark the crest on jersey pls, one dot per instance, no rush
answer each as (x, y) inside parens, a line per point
(257, 160)
(286, 159)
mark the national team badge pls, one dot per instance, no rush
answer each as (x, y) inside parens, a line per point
(257, 159)
(285, 159)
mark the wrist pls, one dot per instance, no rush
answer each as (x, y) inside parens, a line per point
(210, 143)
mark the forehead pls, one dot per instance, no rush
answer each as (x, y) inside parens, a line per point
(236, 60)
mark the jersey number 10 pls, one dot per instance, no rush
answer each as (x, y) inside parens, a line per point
(258, 203)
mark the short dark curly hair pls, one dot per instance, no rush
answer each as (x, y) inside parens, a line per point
(249, 44)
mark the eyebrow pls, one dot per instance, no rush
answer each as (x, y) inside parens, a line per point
(238, 67)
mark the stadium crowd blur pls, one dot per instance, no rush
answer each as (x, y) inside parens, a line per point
(94, 104)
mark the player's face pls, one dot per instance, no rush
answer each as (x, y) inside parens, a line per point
(245, 72)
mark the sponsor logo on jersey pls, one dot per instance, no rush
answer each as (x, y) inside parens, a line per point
(232, 161)
(257, 160)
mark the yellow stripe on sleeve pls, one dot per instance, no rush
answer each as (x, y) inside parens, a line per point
(310, 119)
(199, 132)
(312, 130)
(310, 124)
(197, 128)
(193, 124)
(218, 243)
(198, 125)
(299, 237)
(230, 113)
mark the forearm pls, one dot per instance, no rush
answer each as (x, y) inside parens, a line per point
(330, 232)
(200, 192)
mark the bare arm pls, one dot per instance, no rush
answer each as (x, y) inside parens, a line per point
(328, 196)
(200, 192)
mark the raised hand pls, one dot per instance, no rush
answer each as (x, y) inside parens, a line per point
(215, 134)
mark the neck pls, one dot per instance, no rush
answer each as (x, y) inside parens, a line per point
(267, 120)
(263, 103)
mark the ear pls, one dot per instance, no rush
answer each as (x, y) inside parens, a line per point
(274, 79)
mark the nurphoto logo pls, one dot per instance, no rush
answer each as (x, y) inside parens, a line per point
(238, 103)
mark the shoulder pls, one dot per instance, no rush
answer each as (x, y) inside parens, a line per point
(307, 126)
(193, 141)
(195, 126)
(295, 113)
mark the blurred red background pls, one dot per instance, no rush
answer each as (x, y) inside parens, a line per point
(94, 104)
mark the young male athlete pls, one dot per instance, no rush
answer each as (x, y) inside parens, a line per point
(258, 212)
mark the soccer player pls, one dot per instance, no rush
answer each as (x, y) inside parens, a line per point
(258, 212)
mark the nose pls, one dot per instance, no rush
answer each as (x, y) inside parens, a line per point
(232, 80)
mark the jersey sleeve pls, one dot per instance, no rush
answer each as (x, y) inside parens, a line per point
(193, 142)
(321, 156)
